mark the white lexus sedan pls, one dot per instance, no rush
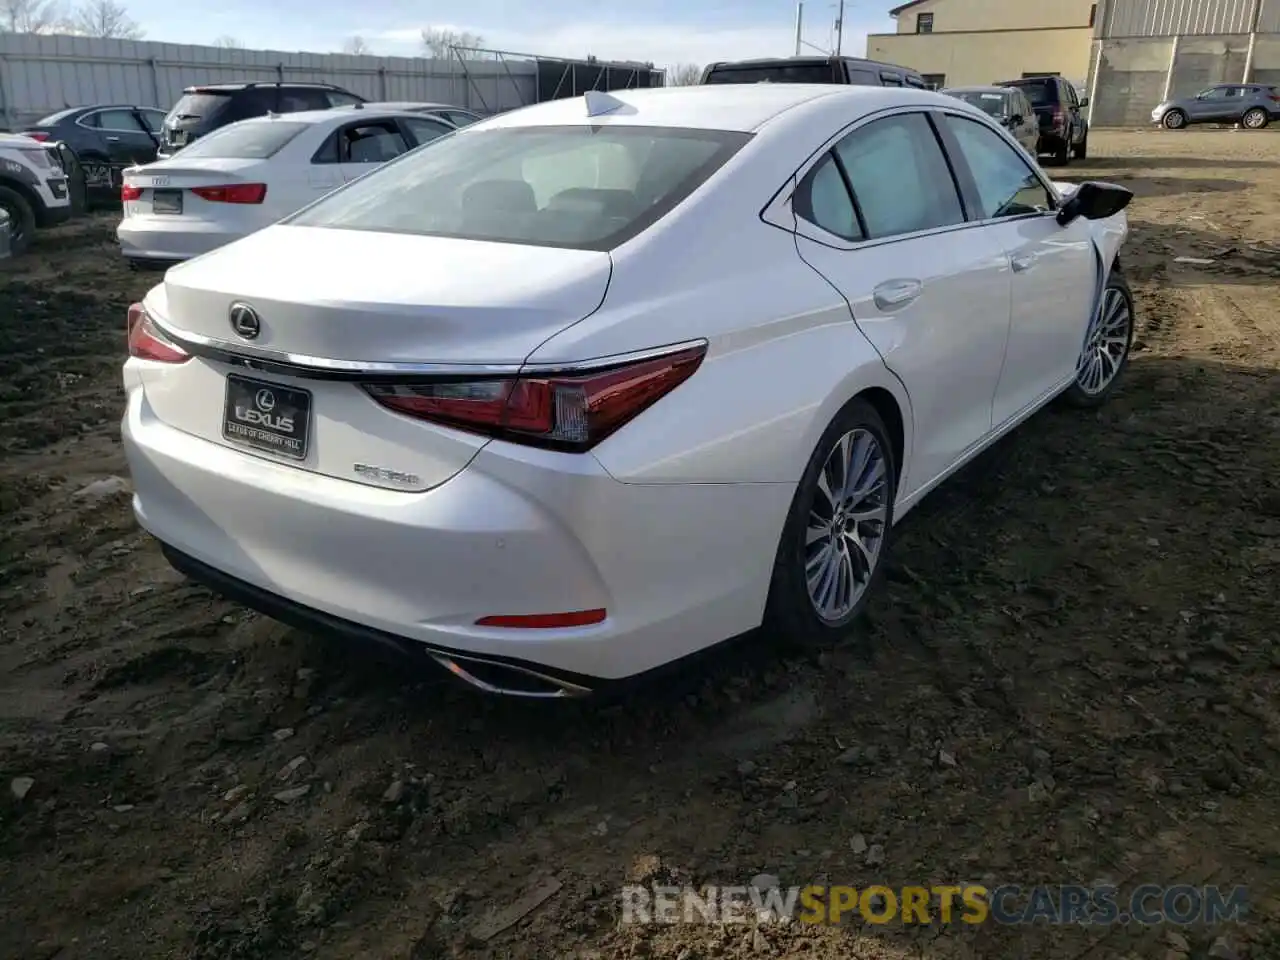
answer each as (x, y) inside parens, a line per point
(593, 385)
(247, 175)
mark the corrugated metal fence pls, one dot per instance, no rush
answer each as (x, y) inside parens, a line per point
(1148, 50)
(41, 74)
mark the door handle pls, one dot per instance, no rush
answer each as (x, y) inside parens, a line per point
(1022, 262)
(113, 139)
(897, 293)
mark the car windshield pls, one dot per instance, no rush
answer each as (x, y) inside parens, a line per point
(992, 104)
(1039, 92)
(250, 140)
(53, 118)
(199, 105)
(580, 187)
(775, 73)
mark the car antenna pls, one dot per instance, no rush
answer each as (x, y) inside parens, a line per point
(599, 103)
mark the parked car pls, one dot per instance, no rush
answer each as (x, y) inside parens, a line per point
(244, 176)
(1252, 105)
(848, 70)
(1064, 129)
(457, 116)
(33, 189)
(1009, 107)
(502, 404)
(203, 109)
(105, 138)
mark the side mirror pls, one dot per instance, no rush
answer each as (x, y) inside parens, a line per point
(1016, 120)
(1084, 101)
(1094, 200)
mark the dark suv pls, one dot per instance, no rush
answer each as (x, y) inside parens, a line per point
(1064, 131)
(206, 108)
(851, 70)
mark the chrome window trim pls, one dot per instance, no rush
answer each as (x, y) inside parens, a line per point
(307, 367)
(93, 113)
(780, 213)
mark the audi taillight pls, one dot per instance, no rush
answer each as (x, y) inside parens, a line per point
(572, 412)
(128, 192)
(232, 193)
(37, 135)
(146, 342)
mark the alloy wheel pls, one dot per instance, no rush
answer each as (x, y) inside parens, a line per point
(16, 231)
(1105, 344)
(1254, 119)
(847, 524)
(1173, 120)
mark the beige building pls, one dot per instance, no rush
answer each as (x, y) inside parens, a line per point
(959, 42)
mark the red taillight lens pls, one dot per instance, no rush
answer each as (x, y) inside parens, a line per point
(545, 621)
(130, 193)
(148, 343)
(232, 193)
(37, 135)
(1059, 118)
(572, 412)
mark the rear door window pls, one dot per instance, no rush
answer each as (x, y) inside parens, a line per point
(823, 199)
(114, 120)
(424, 129)
(201, 106)
(340, 98)
(370, 142)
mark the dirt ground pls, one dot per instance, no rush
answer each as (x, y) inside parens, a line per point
(1072, 676)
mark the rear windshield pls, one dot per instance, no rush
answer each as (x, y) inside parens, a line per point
(992, 104)
(1039, 92)
(199, 106)
(53, 118)
(248, 140)
(776, 73)
(581, 187)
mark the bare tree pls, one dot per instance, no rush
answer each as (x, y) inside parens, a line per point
(105, 18)
(31, 16)
(683, 75)
(439, 43)
(227, 42)
(357, 46)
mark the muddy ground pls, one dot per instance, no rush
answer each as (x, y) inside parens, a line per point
(1072, 676)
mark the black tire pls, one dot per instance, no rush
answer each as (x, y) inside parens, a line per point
(1255, 118)
(75, 180)
(1174, 119)
(1079, 396)
(22, 220)
(1081, 150)
(790, 612)
(1062, 153)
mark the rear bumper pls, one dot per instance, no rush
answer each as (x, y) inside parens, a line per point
(677, 567)
(149, 238)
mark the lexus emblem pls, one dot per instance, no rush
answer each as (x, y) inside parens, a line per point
(266, 400)
(244, 321)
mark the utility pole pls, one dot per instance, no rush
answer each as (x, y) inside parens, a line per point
(840, 30)
(799, 26)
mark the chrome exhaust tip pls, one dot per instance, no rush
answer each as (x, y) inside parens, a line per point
(505, 679)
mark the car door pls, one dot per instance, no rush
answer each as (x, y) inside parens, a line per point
(422, 130)
(1054, 273)
(1071, 103)
(881, 218)
(1209, 105)
(366, 145)
(125, 138)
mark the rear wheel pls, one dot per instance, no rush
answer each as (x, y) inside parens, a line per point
(1106, 346)
(22, 220)
(1175, 119)
(1062, 153)
(831, 555)
(1081, 150)
(1255, 119)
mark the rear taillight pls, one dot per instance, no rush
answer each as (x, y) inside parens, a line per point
(38, 135)
(1275, 95)
(570, 412)
(130, 193)
(146, 342)
(1059, 118)
(232, 193)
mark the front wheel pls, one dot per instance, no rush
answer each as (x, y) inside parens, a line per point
(1174, 120)
(1255, 119)
(1081, 149)
(831, 555)
(1106, 346)
(22, 220)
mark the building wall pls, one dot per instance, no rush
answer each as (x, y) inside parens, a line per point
(41, 74)
(966, 15)
(1168, 18)
(987, 56)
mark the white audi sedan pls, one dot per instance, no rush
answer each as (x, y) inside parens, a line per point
(590, 386)
(247, 175)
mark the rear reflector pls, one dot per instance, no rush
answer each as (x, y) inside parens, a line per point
(130, 193)
(545, 621)
(232, 193)
(146, 342)
(570, 412)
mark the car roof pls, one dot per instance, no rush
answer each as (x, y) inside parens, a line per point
(407, 105)
(977, 88)
(249, 84)
(335, 114)
(804, 62)
(738, 107)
